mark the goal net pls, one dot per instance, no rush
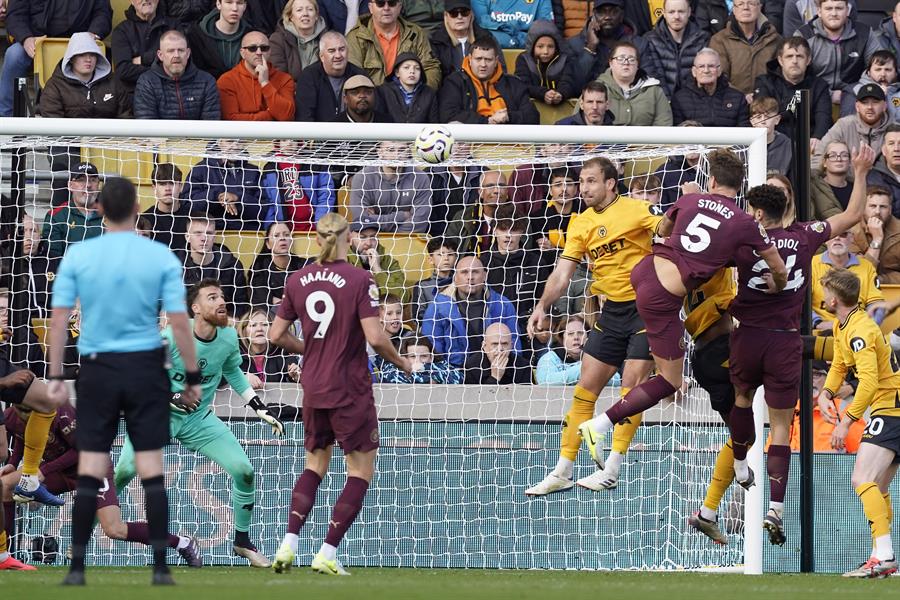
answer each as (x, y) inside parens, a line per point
(455, 457)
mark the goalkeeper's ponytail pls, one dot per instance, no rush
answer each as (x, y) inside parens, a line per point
(329, 228)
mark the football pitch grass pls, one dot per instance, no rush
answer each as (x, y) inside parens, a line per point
(225, 583)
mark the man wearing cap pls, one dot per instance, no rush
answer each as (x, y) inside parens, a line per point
(359, 100)
(867, 125)
(254, 90)
(591, 47)
(320, 94)
(380, 37)
(367, 253)
(509, 20)
(452, 41)
(78, 219)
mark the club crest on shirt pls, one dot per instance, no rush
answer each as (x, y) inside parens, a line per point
(763, 233)
(602, 231)
(373, 292)
(818, 226)
(857, 344)
(202, 363)
(656, 210)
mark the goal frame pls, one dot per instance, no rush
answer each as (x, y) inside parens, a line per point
(753, 138)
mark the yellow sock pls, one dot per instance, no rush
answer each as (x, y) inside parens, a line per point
(624, 432)
(890, 508)
(875, 509)
(581, 410)
(3, 543)
(36, 432)
(722, 476)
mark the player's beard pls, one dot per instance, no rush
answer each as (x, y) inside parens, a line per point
(218, 319)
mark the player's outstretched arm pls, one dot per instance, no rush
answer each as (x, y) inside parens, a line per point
(280, 335)
(378, 339)
(184, 341)
(556, 285)
(863, 159)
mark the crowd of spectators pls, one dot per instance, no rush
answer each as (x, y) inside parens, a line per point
(493, 234)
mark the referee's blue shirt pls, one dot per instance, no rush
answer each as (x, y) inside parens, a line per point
(122, 280)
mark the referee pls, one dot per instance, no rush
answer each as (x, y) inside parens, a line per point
(122, 281)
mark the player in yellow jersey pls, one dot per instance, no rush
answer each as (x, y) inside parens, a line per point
(614, 234)
(860, 344)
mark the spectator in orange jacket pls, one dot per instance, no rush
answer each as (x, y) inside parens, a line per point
(822, 429)
(254, 90)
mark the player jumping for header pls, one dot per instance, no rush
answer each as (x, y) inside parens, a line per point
(704, 232)
(337, 305)
(197, 427)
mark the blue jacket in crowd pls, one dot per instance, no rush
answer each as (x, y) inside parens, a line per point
(509, 20)
(317, 185)
(212, 176)
(445, 325)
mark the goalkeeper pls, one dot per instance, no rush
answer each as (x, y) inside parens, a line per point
(195, 426)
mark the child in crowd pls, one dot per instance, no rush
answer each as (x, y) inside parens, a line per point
(426, 367)
(544, 68)
(442, 256)
(294, 193)
(764, 114)
(404, 96)
(549, 228)
(645, 187)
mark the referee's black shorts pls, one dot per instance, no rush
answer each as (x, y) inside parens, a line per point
(133, 383)
(618, 335)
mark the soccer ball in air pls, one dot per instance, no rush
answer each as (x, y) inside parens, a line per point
(434, 144)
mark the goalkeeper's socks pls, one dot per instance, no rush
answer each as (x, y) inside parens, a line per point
(157, 505)
(83, 514)
(564, 467)
(346, 508)
(242, 539)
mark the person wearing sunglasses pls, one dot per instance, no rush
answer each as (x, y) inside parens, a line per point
(510, 20)
(376, 42)
(216, 40)
(453, 42)
(254, 90)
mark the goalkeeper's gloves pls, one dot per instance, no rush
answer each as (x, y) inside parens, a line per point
(263, 413)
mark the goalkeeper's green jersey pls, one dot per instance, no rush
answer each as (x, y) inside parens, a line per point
(216, 358)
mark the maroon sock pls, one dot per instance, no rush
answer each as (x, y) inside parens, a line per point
(647, 395)
(302, 499)
(778, 464)
(140, 533)
(347, 507)
(9, 520)
(743, 431)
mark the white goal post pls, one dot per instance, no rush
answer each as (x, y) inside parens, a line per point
(32, 136)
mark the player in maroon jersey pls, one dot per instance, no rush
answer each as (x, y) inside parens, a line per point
(60, 474)
(337, 305)
(703, 232)
(766, 348)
